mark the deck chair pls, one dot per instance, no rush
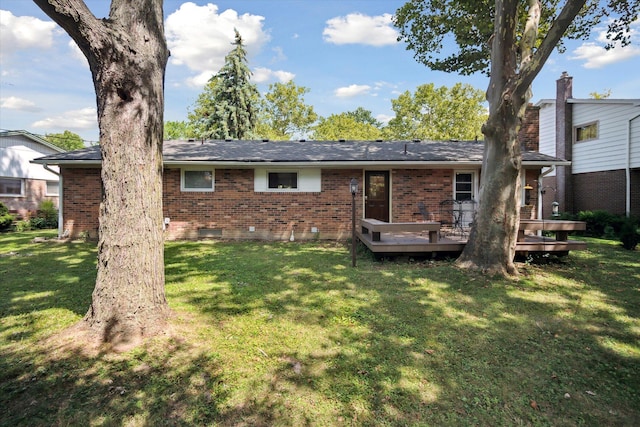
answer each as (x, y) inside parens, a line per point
(449, 211)
(426, 215)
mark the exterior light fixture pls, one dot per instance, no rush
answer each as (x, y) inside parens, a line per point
(555, 209)
(527, 194)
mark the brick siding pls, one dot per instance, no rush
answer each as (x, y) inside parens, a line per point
(529, 130)
(600, 191)
(26, 206)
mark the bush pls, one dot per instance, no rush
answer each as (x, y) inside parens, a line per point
(47, 216)
(601, 223)
(6, 219)
(629, 235)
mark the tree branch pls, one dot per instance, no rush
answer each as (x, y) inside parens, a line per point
(531, 69)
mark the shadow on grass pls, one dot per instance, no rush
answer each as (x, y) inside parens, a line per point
(290, 334)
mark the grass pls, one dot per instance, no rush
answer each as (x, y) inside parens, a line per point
(289, 334)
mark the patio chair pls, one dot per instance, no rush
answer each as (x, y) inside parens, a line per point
(426, 215)
(449, 216)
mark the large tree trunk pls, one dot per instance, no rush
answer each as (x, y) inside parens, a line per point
(127, 55)
(514, 65)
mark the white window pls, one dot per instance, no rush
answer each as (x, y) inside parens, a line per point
(11, 187)
(586, 132)
(53, 188)
(200, 179)
(287, 180)
(464, 186)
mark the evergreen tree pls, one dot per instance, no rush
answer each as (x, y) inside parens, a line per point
(228, 108)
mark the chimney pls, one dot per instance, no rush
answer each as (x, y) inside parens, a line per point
(564, 141)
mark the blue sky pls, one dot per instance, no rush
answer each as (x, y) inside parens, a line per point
(344, 51)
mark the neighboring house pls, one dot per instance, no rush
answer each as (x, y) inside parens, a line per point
(23, 185)
(271, 190)
(601, 138)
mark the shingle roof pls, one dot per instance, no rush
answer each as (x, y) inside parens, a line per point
(332, 152)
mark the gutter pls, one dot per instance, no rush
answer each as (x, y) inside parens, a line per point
(628, 167)
(60, 216)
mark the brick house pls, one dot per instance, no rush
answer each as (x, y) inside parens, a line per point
(601, 138)
(269, 190)
(24, 185)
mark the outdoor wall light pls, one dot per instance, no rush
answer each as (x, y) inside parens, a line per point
(353, 186)
(555, 209)
(527, 194)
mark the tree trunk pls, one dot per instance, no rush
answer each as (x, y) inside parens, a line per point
(127, 55)
(492, 241)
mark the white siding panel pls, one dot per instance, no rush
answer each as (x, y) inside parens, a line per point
(635, 142)
(19, 140)
(547, 129)
(608, 151)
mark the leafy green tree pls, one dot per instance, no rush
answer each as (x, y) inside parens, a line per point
(511, 41)
(345, 126)
(363, 115)
(178, 130)
(600, 95)
(228, 107)
(67, 140)
(438, 113)
(284, 115)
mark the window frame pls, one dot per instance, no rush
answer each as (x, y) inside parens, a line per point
(473, 191)
(57, 193)
(184, 188)
(577, 128)
(283, 189)
(20, 180)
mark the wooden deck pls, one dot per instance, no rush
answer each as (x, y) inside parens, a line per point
(420, 244)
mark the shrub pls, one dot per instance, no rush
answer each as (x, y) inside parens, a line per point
(6, 219)
(47, 216)
(601, 223)
(629, 235)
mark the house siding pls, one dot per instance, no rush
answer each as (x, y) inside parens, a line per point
(26, 206)
(609, 150)
(634, 135)
(600, 191)
(234, 206)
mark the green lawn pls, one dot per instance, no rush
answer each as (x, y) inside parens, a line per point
(288, 334)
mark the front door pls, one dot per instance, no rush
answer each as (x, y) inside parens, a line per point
(376, 195)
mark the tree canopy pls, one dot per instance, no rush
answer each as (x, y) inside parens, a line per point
(67, 140)
(284, 114)
(345, 126)
(438, 113)
(228, 108)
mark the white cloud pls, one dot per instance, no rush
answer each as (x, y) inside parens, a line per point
(352, 90)
(596, 56)
(357, 28)
(19, 104)
(200, 37)
(77, 53)
(85, 118)
(262, 75)
(24, 32)
(384, 118)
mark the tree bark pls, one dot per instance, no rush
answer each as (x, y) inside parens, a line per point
(127, 55)
(514, 65)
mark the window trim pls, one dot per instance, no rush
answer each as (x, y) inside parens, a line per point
(185, 189)
(47, 188)
(474, 177)
(280, 190)
(21, 180)
(595, 123)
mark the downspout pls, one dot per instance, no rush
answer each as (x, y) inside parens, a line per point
(60, 217)
(628, 166)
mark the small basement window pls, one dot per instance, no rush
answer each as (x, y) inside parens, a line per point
(283, 180)
(11, 187)
(197, 180)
